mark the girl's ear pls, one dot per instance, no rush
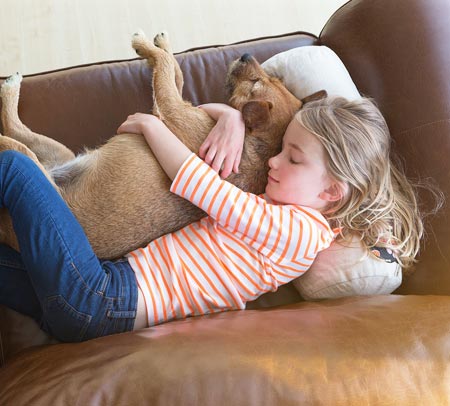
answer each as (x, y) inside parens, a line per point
(335, 192)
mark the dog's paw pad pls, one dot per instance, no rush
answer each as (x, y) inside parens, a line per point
(13, 79)
(161, 40)
(12, 82)
(138, 51)
(140, 43)
(139, 34)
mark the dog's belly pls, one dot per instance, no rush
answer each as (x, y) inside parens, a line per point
(121, 197)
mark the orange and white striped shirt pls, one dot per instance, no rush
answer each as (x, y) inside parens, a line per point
(247, 246)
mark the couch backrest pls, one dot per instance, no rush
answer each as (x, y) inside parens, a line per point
(397, 52)
(83, 106)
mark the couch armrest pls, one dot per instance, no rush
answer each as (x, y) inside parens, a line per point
(353, 351)
(396, 52)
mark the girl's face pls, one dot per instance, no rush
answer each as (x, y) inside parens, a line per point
(298, 174)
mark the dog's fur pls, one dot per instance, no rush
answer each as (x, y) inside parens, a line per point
(118, 192)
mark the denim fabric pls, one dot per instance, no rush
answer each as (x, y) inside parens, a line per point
(56, 278)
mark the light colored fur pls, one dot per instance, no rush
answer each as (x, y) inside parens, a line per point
(118, 192)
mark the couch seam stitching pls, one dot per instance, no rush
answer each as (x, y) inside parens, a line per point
(421, 126)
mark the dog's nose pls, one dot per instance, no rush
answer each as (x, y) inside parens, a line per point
(246, 57)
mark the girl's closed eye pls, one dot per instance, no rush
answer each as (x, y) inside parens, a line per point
(294, 162)
(296, 158)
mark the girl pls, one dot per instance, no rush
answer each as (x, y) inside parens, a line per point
(333, 177)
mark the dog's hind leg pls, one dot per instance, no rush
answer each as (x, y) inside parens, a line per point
(189, 123)
(163, 65)
(161, 41)
(48, 151)
(7, 144)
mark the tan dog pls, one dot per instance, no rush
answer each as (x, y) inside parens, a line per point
(118, 192)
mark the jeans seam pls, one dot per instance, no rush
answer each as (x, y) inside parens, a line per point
(85, 318)
(11, 264)
(104, 284)
(102, 325)
(52, 298)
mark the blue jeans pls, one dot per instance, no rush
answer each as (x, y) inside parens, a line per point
(56, 278)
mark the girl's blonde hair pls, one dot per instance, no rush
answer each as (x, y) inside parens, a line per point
(380, 205)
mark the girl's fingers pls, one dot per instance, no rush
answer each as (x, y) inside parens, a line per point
(210, 155)
(204, 148)
(217, 162)
(227, 168)
(237, 161)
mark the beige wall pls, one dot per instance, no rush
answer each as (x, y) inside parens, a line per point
(40, 35)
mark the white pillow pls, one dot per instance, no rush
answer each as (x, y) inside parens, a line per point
(306, 70)
(341, 271)
(338, 271)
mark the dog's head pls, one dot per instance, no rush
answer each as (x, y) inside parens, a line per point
(264, 101)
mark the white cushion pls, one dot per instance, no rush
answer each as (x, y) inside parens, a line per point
(306, 70)
(349, 270)
(338, 271)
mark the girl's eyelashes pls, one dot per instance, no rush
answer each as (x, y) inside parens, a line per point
(294, 162)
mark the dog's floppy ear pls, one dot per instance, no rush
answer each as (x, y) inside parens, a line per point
(256, 113)
(321, 94)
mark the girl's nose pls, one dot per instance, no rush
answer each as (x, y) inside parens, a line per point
(273, 162)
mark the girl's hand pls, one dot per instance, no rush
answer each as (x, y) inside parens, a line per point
(138, 123)
(222, 149)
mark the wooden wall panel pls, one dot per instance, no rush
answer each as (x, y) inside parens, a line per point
(43, 35)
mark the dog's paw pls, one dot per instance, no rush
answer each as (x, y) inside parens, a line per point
(13, 80)
(161, 40)
(140, 43)
(139, 35)
(11, 83)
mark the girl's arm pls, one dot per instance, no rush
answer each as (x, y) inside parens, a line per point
(222, 149)
(273, 230)
(165, 145)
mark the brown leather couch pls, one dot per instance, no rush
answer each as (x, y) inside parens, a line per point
(377, 350)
